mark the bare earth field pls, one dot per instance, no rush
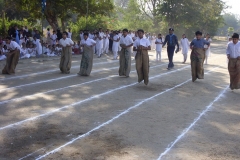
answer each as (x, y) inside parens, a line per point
(48, 115)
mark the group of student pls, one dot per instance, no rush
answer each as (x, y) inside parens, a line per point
(138, 44)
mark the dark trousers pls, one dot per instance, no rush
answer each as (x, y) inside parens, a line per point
(170, 52)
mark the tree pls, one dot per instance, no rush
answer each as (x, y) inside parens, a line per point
(189, 16)
(61, 9)
(230, 30)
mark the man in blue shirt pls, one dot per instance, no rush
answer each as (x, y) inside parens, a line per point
(171, 41)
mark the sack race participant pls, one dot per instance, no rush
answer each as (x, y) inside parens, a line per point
(233, 54)
(198, 56)
(66, 55)
(12, 56)
(142, 45)
(87, 56)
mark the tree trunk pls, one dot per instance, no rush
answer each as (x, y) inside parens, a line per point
(63, 24)
(52, 20)
(51, 16)
(4, 23)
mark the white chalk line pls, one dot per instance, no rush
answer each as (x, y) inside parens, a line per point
(82, 101)
(53, 70)
(114, 118)
(55, 79)
(58, 89)
(171, 145)
(33, 152)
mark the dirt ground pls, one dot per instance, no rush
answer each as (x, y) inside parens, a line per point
(53, 116)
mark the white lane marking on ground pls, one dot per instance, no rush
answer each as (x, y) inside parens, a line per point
(55, 79)
(54, 90)
(171, 145)
(53, 70)
(33, 153)
(114, 118)
(82, 101)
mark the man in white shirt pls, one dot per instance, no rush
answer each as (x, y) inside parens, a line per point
(126, 44)
(87, 57)
(66, 56)
(12, 56)
(233, 54)
(142, 45)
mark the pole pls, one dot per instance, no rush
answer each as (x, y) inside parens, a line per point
(87, 17)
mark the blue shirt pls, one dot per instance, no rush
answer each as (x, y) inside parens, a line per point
(171, 40)
(199, 43)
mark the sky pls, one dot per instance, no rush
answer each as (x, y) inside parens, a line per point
(233, 6)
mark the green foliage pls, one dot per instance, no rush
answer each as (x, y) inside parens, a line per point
(18, 23)
(230, 20)
(189, 16)
(133, 18)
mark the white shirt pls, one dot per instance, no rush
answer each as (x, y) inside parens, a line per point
(184, 45)
(88, 42)
(54, 37)
(159, 46)
(13, 45)
(233, 50)
(70, 35)
(126, 40)
(141, 42)
(81, 36)
(65, 42)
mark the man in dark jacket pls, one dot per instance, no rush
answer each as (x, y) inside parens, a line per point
(171, 41)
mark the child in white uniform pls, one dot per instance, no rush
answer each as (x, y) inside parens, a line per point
(159, 42)
(115, 46)
(184, 45)
(98, 40)
(207, 53)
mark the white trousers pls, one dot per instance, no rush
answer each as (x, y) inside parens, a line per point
(158, 55)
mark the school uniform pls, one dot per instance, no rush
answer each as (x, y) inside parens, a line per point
(142, 60)
(66, 55)
(159, 49)
(207, 53)
(106, 43)
(87, 57)
(12, 58)
(53, 39)
(115, 46)
(185, 47)
(197, 58)
(125, 56)
(233, 51)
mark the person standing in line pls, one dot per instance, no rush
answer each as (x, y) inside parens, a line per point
(184, 45)
(87, 57)
(106, 42)
(115, 45)
(69, 33)
(126, 44)
(198, 56)
(171, 41)
(101, 34)
(53, 38)
(159, 42)
(208, 52)
(233, 54)
(12, 56)
(142, 45)
(98, 40)
(66, 55)
(48, 37)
